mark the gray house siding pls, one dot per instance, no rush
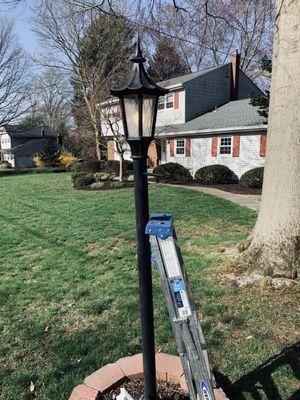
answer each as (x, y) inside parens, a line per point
(206, 92)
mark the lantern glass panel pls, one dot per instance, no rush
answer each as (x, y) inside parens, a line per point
(148, 114)
(131, 104)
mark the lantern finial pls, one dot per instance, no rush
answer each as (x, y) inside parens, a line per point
(138, 56)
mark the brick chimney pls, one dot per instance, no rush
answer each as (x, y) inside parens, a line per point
(235, 71)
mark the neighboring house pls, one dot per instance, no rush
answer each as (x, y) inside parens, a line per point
(19, 144)
(206, 119)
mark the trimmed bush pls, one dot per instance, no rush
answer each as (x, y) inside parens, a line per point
(88, 166)
(81, 179)
(22, 171)
(173, 171)
(113, 166)
(253, 178)
(215, 175)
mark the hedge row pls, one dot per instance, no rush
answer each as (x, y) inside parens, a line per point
(210, 175)
(8, 172)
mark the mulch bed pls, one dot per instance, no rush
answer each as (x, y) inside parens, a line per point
(106, 186)
(231, 188)
(166, 391)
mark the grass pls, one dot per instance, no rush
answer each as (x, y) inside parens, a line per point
(69, 294)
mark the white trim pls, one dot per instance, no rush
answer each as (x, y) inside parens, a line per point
(225, 155)
(173, 87)
(175, 148)
(209, 132)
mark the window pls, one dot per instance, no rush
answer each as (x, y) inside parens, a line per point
(166, 101)
(180, 148)
(161, 103)
(225, 145)
(169, 100)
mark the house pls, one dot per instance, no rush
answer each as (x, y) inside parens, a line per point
(206, 118)
(19, 144)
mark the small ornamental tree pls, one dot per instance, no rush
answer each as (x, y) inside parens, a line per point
(49, 157)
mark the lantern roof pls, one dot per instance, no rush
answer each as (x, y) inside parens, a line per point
(138, 81)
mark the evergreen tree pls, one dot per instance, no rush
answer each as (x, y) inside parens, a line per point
(258, 100)
(166, 63)
(50, 156)
(103, 61)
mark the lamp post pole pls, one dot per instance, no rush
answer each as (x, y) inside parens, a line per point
(144, 271)
(138, 97)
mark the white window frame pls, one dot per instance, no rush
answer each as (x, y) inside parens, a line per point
(163, 102)
(220, 145)
(180, 147)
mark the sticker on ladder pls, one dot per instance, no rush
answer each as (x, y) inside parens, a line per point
(181, 298)
(205, 391)
(170, 256)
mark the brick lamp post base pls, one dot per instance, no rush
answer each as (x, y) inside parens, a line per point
(168, 368)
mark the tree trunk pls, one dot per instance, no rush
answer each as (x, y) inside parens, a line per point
(121, 176)
(275, 242)
(97, 142)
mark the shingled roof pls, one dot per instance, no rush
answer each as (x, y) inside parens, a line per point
(29, 131)
(187, 77)
(235, 114)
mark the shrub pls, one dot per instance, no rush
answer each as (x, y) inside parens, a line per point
(22, 171)
(173, 171)
(37, 160)
(5, 165)
(253, 178)
(88, 166)
(81, 179)
(66, 159)
(55, 170)
(113, 166)
(104, 176)
(215, 174)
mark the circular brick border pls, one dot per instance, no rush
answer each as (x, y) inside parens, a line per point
(168, 368)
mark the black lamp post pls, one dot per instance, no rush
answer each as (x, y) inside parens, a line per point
(138, 103)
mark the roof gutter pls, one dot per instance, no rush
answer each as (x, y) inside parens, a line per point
(213, 132)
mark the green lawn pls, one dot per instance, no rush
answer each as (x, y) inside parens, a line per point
(68, 285)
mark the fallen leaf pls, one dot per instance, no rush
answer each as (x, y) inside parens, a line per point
(31, 387)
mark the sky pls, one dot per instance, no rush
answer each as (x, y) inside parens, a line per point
(21, 17)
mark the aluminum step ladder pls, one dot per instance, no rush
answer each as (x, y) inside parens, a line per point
(191, 346)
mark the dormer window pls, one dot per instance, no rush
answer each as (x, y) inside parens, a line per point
(166, 101)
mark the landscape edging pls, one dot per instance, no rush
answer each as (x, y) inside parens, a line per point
(168, 368)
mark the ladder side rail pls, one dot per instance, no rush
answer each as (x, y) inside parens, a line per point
(198, 364)
(177, 329)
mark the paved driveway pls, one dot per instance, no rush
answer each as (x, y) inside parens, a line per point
(248, 200)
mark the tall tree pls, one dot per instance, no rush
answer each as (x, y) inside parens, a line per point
(84, 46)
(206, 33)
(48, 104)
(259, 100)
(274, 246)
(166, 63)
(14, 87)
